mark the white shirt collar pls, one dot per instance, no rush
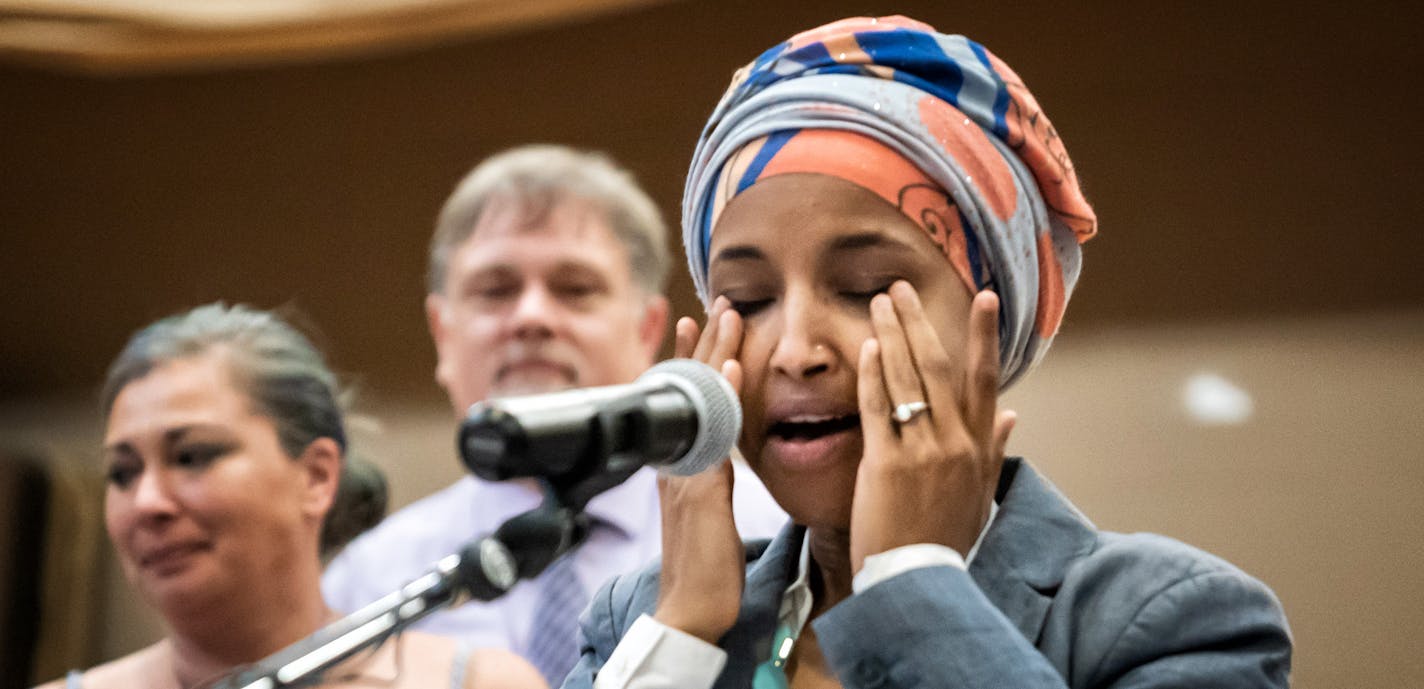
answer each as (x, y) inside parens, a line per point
(796, 602)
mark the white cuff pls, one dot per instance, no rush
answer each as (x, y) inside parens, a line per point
(653, 655)
(895, 561)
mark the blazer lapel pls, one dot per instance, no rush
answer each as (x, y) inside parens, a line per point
(770, 572)
(1035, 537)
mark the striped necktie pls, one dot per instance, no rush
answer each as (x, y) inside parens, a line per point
(554, 639)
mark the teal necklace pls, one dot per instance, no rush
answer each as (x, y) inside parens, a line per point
(771, 674)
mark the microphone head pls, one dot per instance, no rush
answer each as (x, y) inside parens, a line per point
(719, 413)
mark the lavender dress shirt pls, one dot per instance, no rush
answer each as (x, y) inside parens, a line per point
(409, 542)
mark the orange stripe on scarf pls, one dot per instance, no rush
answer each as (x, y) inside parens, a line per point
(878, 168)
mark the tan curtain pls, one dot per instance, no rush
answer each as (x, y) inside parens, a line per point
(71, 595)
(129, 36)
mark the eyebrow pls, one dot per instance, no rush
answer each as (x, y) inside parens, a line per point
(843, 244)
(170, 436)
(578, 267)
(505, 268)
(740, 252)
(492, 268)
(176, 434)
(868, 240)
(120, 448)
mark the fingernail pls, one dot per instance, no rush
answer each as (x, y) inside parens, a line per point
(907, 291)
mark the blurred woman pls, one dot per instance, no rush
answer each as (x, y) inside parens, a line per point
(223, 450)
(885, 228)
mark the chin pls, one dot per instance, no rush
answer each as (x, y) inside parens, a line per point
(197, 585)
(174, 595)
(821, 518)
(816, 500)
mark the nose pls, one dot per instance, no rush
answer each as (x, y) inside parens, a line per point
(803, 348)
(153, 497)
(534, 313)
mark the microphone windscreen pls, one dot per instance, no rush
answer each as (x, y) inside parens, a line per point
(719, 413)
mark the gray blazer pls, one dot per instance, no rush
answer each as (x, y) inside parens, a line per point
(1049, 601)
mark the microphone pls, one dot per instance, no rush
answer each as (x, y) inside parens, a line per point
(681, 415)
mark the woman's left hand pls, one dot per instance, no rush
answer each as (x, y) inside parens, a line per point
(929, 478)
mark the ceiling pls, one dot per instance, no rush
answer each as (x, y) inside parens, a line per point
(145, 36)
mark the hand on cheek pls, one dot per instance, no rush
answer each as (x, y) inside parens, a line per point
(930, 477)
(703, 558)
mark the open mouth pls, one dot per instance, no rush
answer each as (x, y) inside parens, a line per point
(812, 427)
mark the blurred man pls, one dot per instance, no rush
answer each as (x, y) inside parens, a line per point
(546, 270)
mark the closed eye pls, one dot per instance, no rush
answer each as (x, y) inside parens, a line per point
(574, 290)
(864, 295)
(199, 456)
(121, 474)
(748, 307)
(493, 292)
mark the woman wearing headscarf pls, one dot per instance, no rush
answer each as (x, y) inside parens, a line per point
(885, 228)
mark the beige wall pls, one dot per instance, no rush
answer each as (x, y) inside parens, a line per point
(1244, 163)
(1318, 493)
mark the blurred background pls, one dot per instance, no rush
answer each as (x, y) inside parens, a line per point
(1242, 366)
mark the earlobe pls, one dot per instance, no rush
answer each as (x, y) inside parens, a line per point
(321, 473)
(435, 321)
(654, 326)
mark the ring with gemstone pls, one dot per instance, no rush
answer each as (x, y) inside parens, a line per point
(909, 410)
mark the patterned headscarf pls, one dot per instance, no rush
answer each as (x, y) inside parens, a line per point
(937, 126)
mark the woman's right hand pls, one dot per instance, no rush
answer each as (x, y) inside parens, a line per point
(703, 561)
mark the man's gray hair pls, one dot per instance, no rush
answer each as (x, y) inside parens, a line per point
(538, 177)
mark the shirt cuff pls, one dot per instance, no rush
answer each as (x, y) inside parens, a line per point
(652, 655)
(896, 561)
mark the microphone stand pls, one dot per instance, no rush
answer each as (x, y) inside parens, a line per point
(483, 570)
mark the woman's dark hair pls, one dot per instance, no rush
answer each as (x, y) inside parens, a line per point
(286, 378)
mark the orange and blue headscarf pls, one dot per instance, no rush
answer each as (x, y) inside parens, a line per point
(934, 124)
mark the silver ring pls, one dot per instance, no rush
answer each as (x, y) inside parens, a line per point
(908, 411)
